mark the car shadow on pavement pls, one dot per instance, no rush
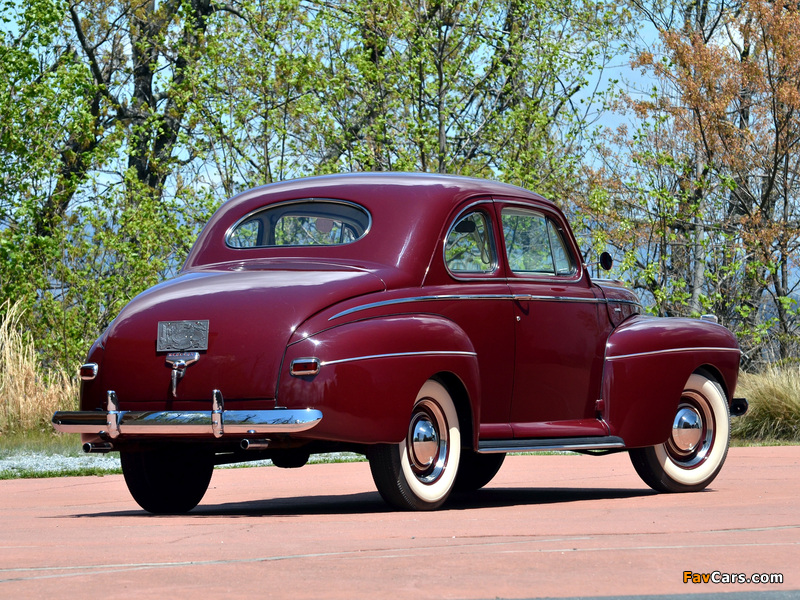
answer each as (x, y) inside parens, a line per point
(371, 502)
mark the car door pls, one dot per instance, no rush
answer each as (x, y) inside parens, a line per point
(561, 327)
(468, 280)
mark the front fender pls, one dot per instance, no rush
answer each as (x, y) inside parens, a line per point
(370, 372)
(648, 362)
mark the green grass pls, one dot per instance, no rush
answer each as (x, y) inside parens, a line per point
(80, 472)
(32, 446)
(41, 440)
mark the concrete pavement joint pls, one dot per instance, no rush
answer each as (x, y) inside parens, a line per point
(361, 554)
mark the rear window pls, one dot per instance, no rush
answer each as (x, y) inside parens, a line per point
(312, 222)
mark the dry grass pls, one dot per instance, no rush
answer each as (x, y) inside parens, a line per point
(29, 394)
(774, 398)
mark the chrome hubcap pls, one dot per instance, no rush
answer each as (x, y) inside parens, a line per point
(687, 429)
(427, 441)
(424, 441)
(692, 431)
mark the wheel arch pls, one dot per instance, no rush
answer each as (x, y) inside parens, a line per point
(648, 362)
(712, 372)
(461, 398)
(371, 371)
(694, 453)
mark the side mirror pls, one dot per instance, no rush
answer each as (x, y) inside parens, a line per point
(606, 261)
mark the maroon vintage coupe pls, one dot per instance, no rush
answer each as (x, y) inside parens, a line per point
(432, 323)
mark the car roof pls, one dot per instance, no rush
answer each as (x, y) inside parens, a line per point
(439, 187)
(399, 203)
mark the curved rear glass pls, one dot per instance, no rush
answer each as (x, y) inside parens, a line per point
(310, 222)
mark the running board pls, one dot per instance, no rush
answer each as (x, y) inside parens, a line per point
(527, 445)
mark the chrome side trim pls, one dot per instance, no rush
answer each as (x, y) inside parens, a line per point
(621, 301)
(527, 445)
(395, 301)
(518, 297)
(532, 298)
(674, 351)
(396, 354)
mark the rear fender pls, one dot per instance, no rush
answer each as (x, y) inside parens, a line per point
(648, 362)
(371, 370)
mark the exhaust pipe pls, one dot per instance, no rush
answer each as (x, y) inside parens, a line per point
(98, 447)
(262, 444)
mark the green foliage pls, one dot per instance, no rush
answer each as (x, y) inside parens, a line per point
(700, 197)
(80, 232)
(125, 125)
(480, 87)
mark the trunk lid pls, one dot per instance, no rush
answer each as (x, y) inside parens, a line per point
(252, 311)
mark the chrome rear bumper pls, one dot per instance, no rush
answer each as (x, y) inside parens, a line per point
(217, 422)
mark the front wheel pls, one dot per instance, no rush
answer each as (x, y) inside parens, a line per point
(419, 472)
(168, 480)
(694, 453)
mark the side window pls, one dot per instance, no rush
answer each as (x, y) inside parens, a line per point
(469, 248)
(534, 245)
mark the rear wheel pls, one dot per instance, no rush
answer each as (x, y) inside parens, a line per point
(169, 480)
(476, 470)
(419, 472)
(694, 453)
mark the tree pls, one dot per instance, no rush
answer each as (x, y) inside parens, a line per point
(127, 121)
(497, 88)
(93, 115)
(704, 204)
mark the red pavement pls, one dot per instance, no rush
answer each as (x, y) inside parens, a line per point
(547, 526)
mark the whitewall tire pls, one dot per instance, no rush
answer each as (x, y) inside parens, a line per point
(419, 472)
(694, 453)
